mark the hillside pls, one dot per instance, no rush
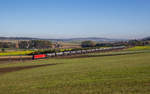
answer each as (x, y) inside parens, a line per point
(18, 38)
(64, 40)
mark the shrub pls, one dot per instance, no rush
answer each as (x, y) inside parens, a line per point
(88, 44)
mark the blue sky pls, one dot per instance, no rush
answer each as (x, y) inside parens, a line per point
(75, 18)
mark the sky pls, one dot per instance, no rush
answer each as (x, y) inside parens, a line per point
(125, 19)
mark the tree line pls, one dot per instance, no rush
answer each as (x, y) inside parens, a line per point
(35, 44)
(45, 44)
(85, 44)
(31, 44)
(7, 45)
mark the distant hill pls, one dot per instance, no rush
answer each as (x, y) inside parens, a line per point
(147, 38)
(18, 38)
(92, 39)
(65, 40)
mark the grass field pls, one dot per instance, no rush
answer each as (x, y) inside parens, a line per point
(122, 74)
(139, 48)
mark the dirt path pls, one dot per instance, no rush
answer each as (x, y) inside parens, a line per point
(15, 58)
(12, 69)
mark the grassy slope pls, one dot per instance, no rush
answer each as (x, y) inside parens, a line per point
(124, 74)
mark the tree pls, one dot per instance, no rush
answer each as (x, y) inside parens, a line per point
(88, 44)
(40, 44)
(135, 43)
(35, 44)
(3, 50)
(23, 44)
(7, 45)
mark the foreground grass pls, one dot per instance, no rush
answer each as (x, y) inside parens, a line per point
(124, 74)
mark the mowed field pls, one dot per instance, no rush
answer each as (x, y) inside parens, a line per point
(110, 74)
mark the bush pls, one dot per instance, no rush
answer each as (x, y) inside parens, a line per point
(88, 44)
(3, 50)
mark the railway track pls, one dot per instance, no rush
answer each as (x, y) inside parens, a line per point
(58, 54)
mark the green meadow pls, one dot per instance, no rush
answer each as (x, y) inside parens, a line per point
(104, 74)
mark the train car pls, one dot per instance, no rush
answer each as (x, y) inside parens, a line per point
(40, 56)
(73, 52)
(79, 52)
(51, 54)
(59, 53)
(67, 53)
